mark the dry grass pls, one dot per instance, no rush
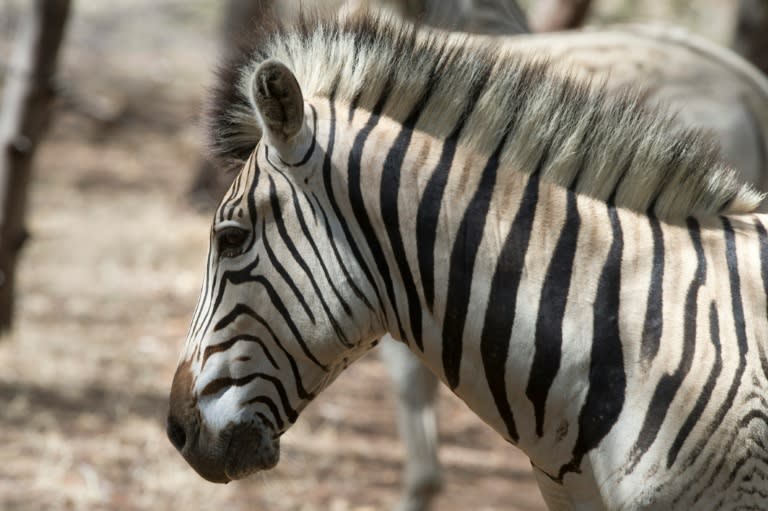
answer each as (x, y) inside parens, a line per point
(106, 289)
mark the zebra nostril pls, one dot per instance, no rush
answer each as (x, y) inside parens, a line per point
(176, 433)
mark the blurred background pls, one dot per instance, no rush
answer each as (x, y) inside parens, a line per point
(107, 280)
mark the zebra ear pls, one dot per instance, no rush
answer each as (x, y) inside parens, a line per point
(278, 102)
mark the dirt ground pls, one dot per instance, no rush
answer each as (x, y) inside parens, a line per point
(107, 286)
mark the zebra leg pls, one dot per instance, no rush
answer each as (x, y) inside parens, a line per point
(416, 390)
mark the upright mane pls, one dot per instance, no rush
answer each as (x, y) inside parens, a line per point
(590, 140)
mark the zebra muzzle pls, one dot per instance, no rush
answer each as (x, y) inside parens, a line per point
(241, 449)
(237, 450)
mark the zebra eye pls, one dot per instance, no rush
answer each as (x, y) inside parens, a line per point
(230, 241)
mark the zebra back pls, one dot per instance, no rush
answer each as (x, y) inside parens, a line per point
(706, 85)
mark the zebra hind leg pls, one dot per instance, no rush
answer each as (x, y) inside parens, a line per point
(416, 390)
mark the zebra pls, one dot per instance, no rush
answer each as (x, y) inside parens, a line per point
(496, 17)
(493, 17)
(709, 87)
(405, 182)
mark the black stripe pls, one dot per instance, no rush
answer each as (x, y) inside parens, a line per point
(327, 174)
(278, 221)
(354, 168)
(432, 198)
(200, 314)
(462, 263)
(653, 326)
(762, 236)
(244, 310)
(283, 311)
(219, 384)
(230, 195)
(286, 277)
(332, 239)
(308, 199)
(233, 277)
(353, 105)
(266, 421)
(269, 404)
(736, 303)
(243, 276)
(390, 188)
(310, 239)
(320, 257)
(251, 201)
(549, 323)
(213, 282)
(737, 309)
(670, 384)
(502, 302)
(607, 379)
(308, 236)
(224, 346)
(706, 391)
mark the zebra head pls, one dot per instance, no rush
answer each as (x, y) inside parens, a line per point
(277, 320)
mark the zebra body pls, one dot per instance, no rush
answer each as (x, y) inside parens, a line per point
(707, 86)
(501, 17)
(656, 401)
(610, 346)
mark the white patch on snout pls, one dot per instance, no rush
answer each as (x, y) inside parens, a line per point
(220, 410)
(226, 407)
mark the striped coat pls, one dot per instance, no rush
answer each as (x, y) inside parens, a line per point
(622, 352)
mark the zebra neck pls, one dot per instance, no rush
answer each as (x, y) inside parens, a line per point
(549, 313)
(563, 322)
(462, 248)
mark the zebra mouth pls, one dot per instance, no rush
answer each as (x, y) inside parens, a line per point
(240, 450)
(252, 447)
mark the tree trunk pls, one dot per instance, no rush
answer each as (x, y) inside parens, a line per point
(555, 15)
(26, 105)
(751, 39)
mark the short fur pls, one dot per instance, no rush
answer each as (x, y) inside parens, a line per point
(583, 139)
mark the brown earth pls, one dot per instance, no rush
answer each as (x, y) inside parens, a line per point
(107, 286)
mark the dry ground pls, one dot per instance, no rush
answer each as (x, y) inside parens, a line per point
(107, 286)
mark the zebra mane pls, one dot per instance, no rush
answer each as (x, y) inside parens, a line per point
(599, 143)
